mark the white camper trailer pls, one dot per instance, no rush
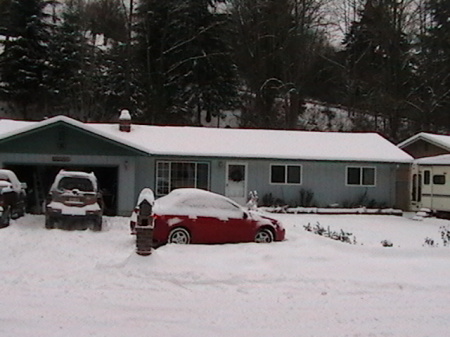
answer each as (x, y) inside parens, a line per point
(430, 185)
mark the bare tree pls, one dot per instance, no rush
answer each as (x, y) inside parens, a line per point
(277, 43)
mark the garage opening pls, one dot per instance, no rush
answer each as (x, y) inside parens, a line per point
(39, 178)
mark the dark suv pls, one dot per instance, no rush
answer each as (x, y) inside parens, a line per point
(74, 202)
(12, 197)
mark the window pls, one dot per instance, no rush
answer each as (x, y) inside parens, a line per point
(426, 177)
(171, 175)
(361, 176)
(286, 174)
(439, 179)
(416, 187)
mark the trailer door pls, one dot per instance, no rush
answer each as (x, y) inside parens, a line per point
(436, 188)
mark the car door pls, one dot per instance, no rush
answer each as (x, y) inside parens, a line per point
(240, 229)
(208, 229)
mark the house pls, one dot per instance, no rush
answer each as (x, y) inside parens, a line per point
(296, 167)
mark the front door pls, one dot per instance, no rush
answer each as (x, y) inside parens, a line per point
(236, 182)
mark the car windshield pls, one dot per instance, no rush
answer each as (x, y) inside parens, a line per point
(72, 183)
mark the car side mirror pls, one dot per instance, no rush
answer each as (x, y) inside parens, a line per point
(245, 216)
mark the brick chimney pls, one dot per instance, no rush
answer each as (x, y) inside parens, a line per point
(125, 121)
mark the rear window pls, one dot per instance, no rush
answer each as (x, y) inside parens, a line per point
(72, 183)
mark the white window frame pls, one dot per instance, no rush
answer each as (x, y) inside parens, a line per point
(361, 168)
(169, 178)
(286, 174)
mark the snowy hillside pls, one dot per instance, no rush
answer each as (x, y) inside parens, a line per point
(83, 283)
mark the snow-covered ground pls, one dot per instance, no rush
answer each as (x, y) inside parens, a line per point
(84, 283)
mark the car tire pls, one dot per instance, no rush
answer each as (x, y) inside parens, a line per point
(49, 223)
(18, 211)
(264, 236)
(97, 225)
(6, 218)
(179, 236)
(22, 210)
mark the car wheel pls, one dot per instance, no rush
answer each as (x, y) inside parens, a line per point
(179, 236)
(6, 218)
(22, 210)
(97, 225)
(264, 236)
(49, 223)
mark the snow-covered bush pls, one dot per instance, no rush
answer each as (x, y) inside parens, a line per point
(387, 243)
(429, 242)
(341, 235)
(445, 235)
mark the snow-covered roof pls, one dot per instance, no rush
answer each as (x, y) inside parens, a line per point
(438, 140)
(443, 159)
(234, 143)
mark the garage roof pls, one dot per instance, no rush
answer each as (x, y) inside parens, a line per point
(234, 143)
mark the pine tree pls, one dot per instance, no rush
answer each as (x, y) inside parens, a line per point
(186, 62)
(378, 61)
(88, 80)
(433, 80)
(205, 72)
(70, 61)
(24, 62)
(5, 24)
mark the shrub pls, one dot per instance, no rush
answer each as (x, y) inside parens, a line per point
(339, 236)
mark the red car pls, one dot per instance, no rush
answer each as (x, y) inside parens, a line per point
(190, 215)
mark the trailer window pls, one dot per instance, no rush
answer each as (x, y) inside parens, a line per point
(439, 179)
(426, 177)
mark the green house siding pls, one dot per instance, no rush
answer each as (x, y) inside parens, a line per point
(326, 180)
(63, 139)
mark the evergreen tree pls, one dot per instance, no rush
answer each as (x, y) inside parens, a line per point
(433, 75)
(24, 67)
(379, 62)
(106, 18)
(182, 49)
(70, 61)
(5, 25)
(88, 80)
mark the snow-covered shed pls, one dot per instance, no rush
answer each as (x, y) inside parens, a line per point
(295, 167)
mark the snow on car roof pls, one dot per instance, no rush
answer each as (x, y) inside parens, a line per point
(193, 202)
(76, 174)
(4, 183)
(238, 143)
